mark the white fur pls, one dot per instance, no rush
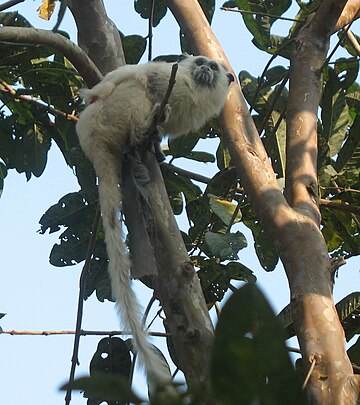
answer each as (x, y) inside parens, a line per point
(120, 112)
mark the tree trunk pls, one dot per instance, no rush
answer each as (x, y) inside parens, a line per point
(293, 223)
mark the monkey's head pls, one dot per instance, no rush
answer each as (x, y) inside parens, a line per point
(205, 71)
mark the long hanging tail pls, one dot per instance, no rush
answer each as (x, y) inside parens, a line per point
(127, 305)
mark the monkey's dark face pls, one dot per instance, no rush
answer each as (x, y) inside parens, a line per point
(206, 72)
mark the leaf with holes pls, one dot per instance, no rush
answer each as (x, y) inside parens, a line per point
(225, 247)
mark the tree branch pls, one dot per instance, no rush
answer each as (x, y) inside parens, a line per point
(307, 59)
(350, 13)
(10, 92)
(179, 288)
(98, 36)
(277, 17)
(82, 332)
(32, 36)
(9, 4)
(82, 285)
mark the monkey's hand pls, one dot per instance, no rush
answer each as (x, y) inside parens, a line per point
(161, 113)
(160, 116)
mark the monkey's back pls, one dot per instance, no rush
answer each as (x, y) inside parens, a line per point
(122, 104)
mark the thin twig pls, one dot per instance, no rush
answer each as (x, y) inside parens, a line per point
(339, 206)
(150, 33)
(342, 36)
(293, 349)
(272, 106)
(313, 362)
(281, 117)
(261, 14)
(9, 91)
(340, 189)
(172, 81)
(146, 313)
(82, 285)
(82, 332)
(187, 173)
(235, 213)
(9, 4)
(261, 79)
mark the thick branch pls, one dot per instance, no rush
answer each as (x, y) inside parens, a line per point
(97, 34)
(10, 92)
(350, 13)
(82, 332)
(247, 151)
(307, 59)
(77, 57)
(179, 287)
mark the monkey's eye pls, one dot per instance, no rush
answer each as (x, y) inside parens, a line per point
(214, 66)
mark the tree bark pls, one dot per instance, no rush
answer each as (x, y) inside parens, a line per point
(319, 331)
(97, 34)
(293, 223)
(180, 290)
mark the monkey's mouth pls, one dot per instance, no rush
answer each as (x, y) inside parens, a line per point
(204, 76)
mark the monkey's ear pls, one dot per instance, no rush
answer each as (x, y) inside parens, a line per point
(230, 77)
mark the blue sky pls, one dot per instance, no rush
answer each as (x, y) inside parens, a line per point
(38, 296)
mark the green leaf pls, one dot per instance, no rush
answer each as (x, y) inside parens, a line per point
(249, 349)
(134, 48)
(354, 353)
(198, 212)
(349, 154)
(225, 247)
(208, 7)
(204, 157)
(75, 211)
(3, 174)
(349, 314)
(348, 310)
(351, 69)
(260, 24)
(104, 387)
(264, 247)
(111, 357)
(224, 209)
(215, 277)
(24, 146)
(173, 190)
(334, 114)
(275, 142)
(223, 158)
(182, 145)
(143, 7)
(261, 96)
(97, 278)
(341, 232)
(223, 183)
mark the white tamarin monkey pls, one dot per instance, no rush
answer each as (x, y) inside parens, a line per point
(120, 112)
